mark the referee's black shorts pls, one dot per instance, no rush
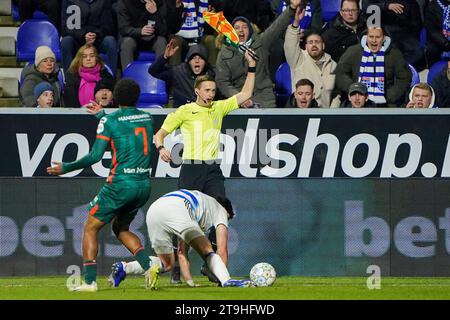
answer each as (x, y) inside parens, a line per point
(204, 177)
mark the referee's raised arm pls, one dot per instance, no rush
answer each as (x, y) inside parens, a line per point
(247, 90)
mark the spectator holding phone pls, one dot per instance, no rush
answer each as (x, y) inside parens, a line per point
(144, 26)
(421, 96)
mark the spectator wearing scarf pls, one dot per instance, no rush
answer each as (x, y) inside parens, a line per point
(378, 65)
(402, 21)
(84, 72)
(437, 23)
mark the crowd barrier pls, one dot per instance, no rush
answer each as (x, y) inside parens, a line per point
(317, 193)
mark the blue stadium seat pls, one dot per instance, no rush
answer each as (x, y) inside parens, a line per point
(415, 79)
(435, 70)
(109, 69)
(330, 8)
(283, 85)
(39, 15)
(153, 91)
(149, 106)
(146, 56)
(34, 33)
(15, 12)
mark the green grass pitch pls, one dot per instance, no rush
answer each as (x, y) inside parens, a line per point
(285, 288)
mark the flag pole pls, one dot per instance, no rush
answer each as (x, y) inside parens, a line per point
(244, 47)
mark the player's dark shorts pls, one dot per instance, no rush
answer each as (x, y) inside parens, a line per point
(121, 199)
(204, 177)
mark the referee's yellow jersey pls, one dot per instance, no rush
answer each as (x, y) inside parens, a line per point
(200, 127)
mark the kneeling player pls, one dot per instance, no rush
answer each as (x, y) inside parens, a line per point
(186, 214)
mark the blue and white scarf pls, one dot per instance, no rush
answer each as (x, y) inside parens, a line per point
(371, 72)
(305, 23)
(445, 25)
(192, 27)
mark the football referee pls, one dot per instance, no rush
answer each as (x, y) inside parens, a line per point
(201, 123)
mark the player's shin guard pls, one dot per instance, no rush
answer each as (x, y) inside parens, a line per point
(217, 267)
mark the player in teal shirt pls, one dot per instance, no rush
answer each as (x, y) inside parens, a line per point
(129, 134)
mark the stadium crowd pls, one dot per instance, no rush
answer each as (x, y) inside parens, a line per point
(351, 60)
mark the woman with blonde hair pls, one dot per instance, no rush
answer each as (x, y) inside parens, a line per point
(86, 69)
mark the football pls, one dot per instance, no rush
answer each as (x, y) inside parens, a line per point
(263, 274)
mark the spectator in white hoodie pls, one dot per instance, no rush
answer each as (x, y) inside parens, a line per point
(421, 96)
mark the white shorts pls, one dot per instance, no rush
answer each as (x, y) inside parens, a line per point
(166, 217)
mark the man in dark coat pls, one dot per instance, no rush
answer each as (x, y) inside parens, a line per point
(145, 25)
(402, 21)
(345, 30)
(437, 43)
(391, 84)
(181, 78)
(231, 67)
(441, 86)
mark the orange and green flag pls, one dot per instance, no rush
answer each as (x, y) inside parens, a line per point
(222, 26)
(219, 23)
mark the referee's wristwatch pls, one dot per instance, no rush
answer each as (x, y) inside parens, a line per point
(160, 147)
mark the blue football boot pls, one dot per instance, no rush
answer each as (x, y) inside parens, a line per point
(117, 275)
(238, 283)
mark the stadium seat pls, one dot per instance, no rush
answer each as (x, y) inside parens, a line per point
(435, 70)
(15, 12)
(283, 85)
(415, 79)
(149, 106)
(330, 8)
(104, 57)
(39, 15)
(34, 33)
(153, 91)
(146, 56)
(109, 69)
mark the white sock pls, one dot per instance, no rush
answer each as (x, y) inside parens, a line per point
(156, 260)
(217, 267)
(134, 267)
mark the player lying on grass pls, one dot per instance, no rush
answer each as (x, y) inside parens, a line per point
(186, 214)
